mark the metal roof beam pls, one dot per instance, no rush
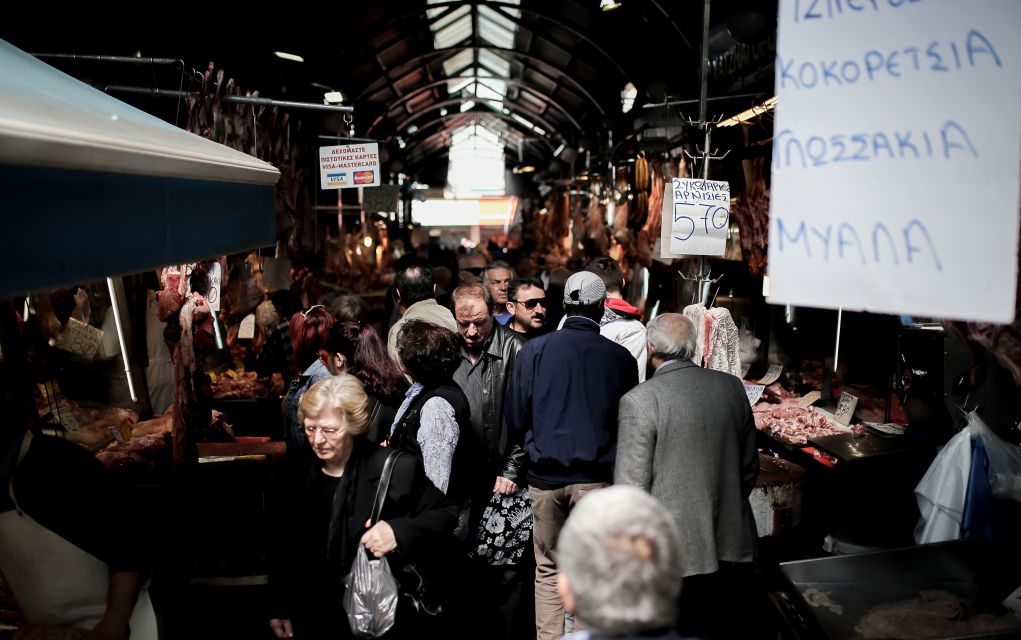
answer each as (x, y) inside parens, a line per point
(522, 112)
(514, 83)
(489, 114)
(411, 65)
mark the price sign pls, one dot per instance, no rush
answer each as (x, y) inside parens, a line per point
(744, 370)
(215, 286)
(845, 408)
(700, 217)
(809, 399)
(81, 338)
(65, 416)
(754, 392)
(383, 198)
(772, 375)
(247, 329)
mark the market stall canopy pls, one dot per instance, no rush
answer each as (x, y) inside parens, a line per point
(92, 187)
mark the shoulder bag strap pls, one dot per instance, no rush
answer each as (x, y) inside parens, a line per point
(383, 486)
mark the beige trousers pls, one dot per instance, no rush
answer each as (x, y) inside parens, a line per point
(550, 508)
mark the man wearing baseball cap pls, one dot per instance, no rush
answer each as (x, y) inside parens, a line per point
(562, 400)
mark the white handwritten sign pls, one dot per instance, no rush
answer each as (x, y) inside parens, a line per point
(745, 368)
(246, 331)
(215, 286)
(754, 392)
(809, 399)
(896, 157)
(845, 408)
(349, 165)
(772, 375)
(81, 338)
(700, 217)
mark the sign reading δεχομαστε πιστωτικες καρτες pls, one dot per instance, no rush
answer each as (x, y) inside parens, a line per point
(347, 166)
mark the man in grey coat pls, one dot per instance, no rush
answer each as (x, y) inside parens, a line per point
(687, 436)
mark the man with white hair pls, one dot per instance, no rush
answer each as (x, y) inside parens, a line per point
(687, 436)
(620, 566)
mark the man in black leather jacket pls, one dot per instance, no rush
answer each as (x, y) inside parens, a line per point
(503, 562)
(488, 352)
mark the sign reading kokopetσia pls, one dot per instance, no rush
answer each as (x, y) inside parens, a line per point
(896, 157)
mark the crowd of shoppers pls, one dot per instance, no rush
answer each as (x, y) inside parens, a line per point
(506, 425)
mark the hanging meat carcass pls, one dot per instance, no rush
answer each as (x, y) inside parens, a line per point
(751, 211)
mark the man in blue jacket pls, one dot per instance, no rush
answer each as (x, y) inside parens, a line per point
(563, 399)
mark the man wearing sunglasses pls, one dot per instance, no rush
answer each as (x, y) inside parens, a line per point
(526, 301)
(471, 267)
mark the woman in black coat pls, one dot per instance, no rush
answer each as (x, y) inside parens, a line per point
(322, 509)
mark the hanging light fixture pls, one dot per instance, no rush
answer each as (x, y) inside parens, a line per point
(608, 5)
(288, 56)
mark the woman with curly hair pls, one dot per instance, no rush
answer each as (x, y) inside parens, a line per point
(433, 421)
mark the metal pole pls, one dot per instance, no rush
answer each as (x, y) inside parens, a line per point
(125, 59)
(267, 102)
(703, 106)
(120, 337)
(836, 351)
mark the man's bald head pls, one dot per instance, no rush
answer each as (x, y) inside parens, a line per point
(671, 337)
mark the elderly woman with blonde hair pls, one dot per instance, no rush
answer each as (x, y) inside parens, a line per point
(321, 512)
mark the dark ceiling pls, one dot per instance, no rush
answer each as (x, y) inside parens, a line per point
(558, 65)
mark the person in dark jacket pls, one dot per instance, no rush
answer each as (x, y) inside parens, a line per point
(321, 511)
(500, 550)
(434, 421)
(563, 398)
(488, 351)
(357, 349)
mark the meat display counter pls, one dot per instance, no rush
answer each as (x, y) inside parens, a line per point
(945, 590)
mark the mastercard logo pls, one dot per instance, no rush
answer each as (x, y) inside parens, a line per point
(364, 177)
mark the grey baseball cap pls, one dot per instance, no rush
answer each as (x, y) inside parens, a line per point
(584, 288)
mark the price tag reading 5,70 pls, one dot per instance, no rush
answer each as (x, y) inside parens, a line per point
(701, 217)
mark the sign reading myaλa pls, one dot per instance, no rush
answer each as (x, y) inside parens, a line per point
(896, 157)
(349, 165)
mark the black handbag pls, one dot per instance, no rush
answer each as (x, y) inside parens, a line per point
(417, 597)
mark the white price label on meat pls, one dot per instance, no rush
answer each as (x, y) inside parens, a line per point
(65, 416)
(845, 408)
(215, 286)
(772, 375)
(81, 338)
(700, 217)
(809, 399)
(754, 392)
(1013, 602)
(247, 329)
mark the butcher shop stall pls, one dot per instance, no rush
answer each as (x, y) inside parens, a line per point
(125, 240)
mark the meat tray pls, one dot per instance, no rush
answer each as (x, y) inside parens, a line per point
(978, 574)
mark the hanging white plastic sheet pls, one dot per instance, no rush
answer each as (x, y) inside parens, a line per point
(896, 157)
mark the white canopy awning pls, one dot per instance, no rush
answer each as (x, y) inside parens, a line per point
(91, 186)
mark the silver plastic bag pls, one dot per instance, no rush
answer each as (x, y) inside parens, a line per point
(370, 596)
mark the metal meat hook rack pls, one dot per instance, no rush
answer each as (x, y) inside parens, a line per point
(705, 280)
